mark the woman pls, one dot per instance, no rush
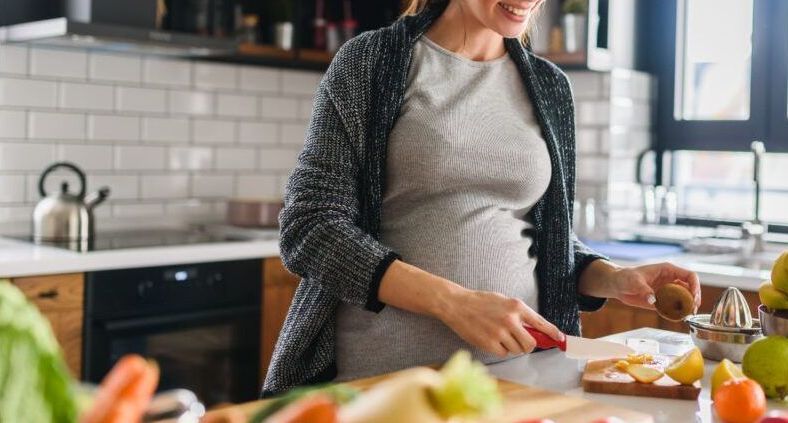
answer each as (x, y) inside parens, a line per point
(430, 208)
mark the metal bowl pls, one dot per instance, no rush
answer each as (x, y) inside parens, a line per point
(716, 342)
(773, 322)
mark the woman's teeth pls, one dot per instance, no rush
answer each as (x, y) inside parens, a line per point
(514, 10)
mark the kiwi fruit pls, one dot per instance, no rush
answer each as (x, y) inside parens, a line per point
(674, 302)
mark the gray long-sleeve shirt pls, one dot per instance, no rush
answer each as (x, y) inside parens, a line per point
(465, 164)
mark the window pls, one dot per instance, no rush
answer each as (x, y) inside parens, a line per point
(722, 74)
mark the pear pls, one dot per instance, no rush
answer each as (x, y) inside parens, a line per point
(766, 361)
(780, 272)
(772, 297)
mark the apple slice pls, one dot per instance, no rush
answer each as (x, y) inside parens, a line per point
(644, 374)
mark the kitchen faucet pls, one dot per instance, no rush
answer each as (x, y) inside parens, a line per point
(755, 229)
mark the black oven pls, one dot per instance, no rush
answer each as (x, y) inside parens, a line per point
(200, 322)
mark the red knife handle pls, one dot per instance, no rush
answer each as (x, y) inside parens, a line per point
(543, 341)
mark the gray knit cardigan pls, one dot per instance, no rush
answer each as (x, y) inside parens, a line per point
(329, 226)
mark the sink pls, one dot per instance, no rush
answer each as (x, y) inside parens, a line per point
(757, 261)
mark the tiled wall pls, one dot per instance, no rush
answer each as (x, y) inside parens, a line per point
(615, 116)
(170, 137)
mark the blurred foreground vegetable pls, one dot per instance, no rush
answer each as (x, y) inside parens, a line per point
(34, 383)
(125, 392)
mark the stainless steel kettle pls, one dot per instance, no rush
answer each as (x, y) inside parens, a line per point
(63, 217)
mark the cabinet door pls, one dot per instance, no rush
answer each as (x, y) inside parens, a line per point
(279, 286)
(60, 298)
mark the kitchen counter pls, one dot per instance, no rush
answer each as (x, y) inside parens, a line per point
(18, 258)
(552, 370)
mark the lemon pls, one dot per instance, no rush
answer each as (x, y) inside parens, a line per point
(724, 371)
(688, 368)
(643, 374)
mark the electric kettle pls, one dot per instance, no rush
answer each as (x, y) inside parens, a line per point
(63, 217)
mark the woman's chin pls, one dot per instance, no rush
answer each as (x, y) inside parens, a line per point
(510, 31)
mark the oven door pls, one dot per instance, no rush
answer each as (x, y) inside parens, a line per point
(214, 353)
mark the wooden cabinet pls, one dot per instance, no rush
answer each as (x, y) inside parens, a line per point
(279, 286)
(618, 317)
(61, 300)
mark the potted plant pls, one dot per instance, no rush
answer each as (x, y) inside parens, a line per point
(574, 22)
(281, 12)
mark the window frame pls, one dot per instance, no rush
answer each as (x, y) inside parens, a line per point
(778, 126)
(724, 135)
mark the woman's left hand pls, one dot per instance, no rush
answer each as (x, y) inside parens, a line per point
(636, 285)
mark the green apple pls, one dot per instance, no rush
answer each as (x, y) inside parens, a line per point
(766, 361)
(772, 297)
(780, 272)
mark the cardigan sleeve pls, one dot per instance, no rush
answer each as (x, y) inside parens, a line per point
(319, 235)
(583, 257)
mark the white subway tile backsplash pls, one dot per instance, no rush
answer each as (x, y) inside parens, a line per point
(27, 93)
(190, 158)
(139, 157)
(167, 71)
(26, 156)
(13, 124)
(121, 186)
(211, 75)
(13, 58)
(169, 186)
(213, 131)
(278, 158)
(57, 126)
(586, 85)
(141, 100)
(305, 108)
(586, 141)
(259, 79)
(86, 96)
(115, 67)
(190, 208)
(300, 82)
(12, 188)
(165, 129)
(138, 210)
(258, 133)
(113, 128)
(266, 186)
(593, 112)
(592, 169)
(235, 158)
(111, 110)
(293, 134)
(191, 102)
(87, 157)
(236, 105)
(212, 186)
(279, 108)
(58, 63)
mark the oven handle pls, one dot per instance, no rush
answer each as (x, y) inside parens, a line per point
(135, 323)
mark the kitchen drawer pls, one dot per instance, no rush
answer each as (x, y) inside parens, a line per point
(54, 292)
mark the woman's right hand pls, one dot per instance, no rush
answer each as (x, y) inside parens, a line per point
(495, 322)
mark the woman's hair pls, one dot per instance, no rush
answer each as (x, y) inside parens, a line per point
(415, 7)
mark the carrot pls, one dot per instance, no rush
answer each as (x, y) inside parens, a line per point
(317, 408)
(126, 391)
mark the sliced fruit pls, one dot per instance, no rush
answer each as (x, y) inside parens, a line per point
(688, 368)
(644, 374)
(724, 371)
(740, 401)
(780, 272)
(772, 297)
(644, 358)
(622, 365)
(674, 302)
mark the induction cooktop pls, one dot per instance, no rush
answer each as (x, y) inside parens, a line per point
(144, 238)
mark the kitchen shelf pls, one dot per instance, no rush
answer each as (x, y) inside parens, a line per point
(268, 55)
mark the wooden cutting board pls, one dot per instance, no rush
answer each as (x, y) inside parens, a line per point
(521, 403)
(601, 376)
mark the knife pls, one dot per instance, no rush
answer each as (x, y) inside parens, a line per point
(581, 348)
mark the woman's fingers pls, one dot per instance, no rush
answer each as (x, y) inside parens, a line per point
(534, 320)
(526, 341)
(511, 344)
